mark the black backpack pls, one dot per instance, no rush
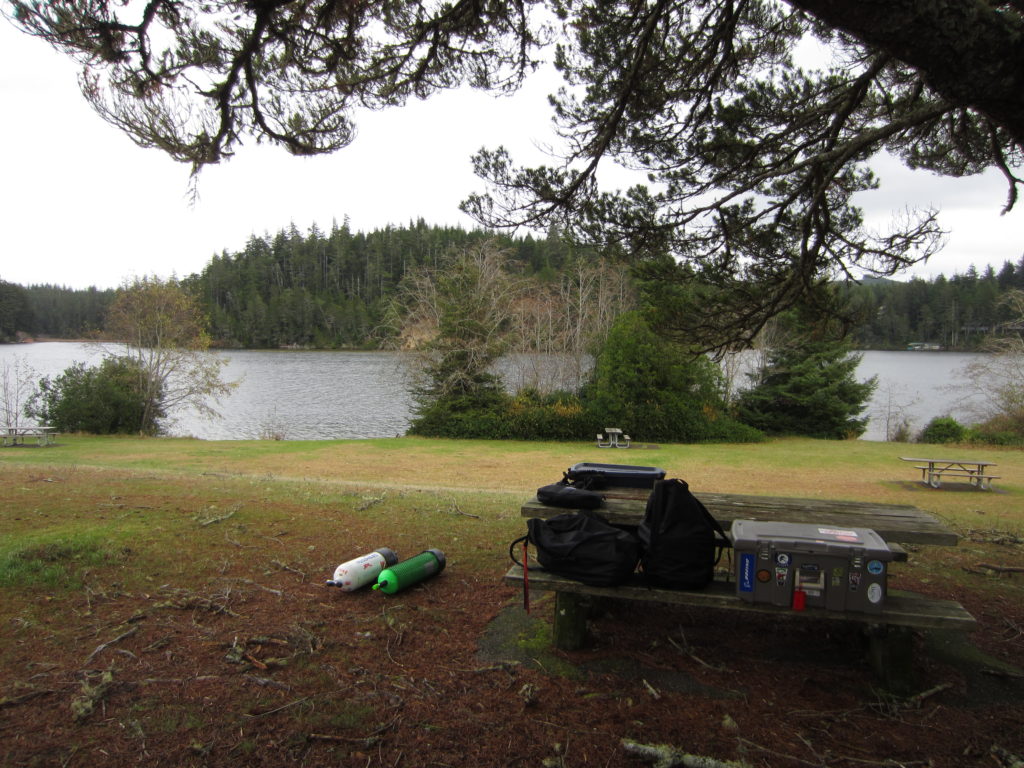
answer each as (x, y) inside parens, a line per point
(679, 538)
(582, 546)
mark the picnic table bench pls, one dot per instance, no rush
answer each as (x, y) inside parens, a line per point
(932, 470)
(17, 435)
(889, 632)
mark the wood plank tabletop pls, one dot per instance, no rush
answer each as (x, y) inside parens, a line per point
(901, 523)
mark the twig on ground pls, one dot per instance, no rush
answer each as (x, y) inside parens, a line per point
(917, 698)
(692, 655)
(277, 592)
(367, 741)
(277, 709)
(212, 520)
(1002, 673)
(285, 567)
(102, 646)
(185, 600)
(14, 701)
(266, 682)
(651, 690)
(369, 501)
(458, 510)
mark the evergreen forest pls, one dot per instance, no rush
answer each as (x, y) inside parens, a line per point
(331, 291)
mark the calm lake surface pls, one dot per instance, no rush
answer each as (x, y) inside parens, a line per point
(317, 395)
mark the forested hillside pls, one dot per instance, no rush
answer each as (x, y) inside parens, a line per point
(955, 312)
(51, 311)
(329, 290)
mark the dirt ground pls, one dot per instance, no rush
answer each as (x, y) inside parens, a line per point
(278, 669)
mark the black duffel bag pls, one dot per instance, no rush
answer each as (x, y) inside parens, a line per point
(568, 496)
(584, 547)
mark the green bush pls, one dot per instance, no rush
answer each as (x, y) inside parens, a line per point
(943, 429)
(556, 416)
(105, 399)
(808, 389)
(656, 389)
(495, 416)
(989, 435)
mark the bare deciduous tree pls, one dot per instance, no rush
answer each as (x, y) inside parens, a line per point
(994, 384)
(17, 383)
(164, 332)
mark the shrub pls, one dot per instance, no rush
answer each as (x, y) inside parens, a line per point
(658, 390)
(496, 416)
(991, 434)
(105, 399)
(943, 429)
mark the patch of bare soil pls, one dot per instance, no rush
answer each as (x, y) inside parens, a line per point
(277, 670)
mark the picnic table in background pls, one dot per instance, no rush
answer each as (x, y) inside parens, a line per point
(975, 472)
(614, 435)
(17, 435)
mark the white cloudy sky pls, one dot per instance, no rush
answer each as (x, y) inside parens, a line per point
(81, 205)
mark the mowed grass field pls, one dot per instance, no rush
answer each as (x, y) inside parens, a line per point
(173, 492)
(854, 470)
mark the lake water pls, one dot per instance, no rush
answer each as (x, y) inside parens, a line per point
(315, 395)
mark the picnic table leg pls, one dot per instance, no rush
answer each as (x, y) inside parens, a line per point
(891, 654)
(569, 630)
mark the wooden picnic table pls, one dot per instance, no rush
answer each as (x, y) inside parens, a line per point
(889, 633)
(974, 471)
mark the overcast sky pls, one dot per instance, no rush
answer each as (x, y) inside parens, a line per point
(81, 205)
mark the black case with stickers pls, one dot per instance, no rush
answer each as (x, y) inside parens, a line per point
(810, 566)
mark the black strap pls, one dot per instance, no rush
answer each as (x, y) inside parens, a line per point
(512, 549)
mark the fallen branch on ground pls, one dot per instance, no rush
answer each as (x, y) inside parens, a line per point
(917, 698)
(369, 501)
(686, 650)
(102, 646)
(13, 701)
(212, 520)
(667, 756)
(277, 592)
(458, 510)
(1006, 759)
(1001, 568)
(285, 567)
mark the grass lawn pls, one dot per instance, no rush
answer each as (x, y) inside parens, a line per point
(855, 470)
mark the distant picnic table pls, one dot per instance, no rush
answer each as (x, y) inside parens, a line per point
(614, 436)
(16, 435)
(974, 471)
